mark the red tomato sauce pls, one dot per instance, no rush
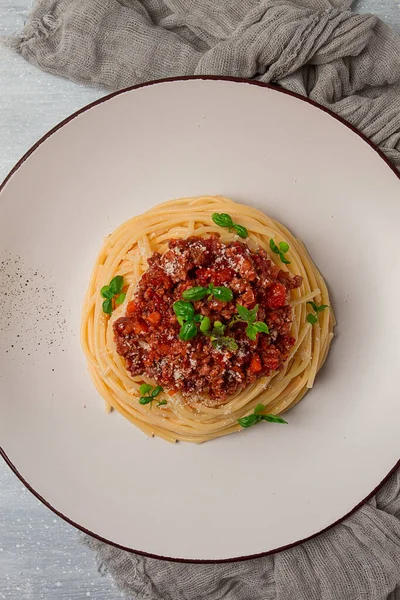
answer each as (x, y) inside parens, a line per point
(147, 337)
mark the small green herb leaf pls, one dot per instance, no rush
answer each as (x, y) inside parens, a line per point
(109, 291)
(218, 328)
(283, 247)
(116, 284)
(251, 332)
(119, 299)
(229, 343)
(273, 246)
(145, 388)
(148, 393)
(107, 306)
(198, 318)
(145, 400)
(281, 250)
(244, 312)
(317, 308)
(253, 314)
(241, 231)
(205, 324)
(273, 419)
(312, 318)
(157, 390)
(188, 331)
(224, 294)
(195, 293)
(257, 416)
(162, 403)
(106, 292)
(249, 420)
(183, 309)
(222, 219)
(261, 327)
(249, 317)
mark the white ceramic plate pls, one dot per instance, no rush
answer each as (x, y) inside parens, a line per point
(249, 493)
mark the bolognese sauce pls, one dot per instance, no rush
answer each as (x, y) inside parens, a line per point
(205, 367)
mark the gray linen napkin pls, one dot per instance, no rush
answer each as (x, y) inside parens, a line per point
(320, 49)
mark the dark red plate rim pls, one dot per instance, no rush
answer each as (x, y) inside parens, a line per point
(43, 139)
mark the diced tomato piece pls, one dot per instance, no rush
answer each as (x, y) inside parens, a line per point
(276, 296)
(255, 364)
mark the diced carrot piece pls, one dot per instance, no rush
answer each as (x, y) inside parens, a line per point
(255, 364)
(154, 318)
(140, 328)
(131, 308)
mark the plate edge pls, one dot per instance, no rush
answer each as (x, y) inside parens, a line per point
(65, 122)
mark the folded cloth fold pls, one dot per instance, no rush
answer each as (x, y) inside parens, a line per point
(359, 559)
(317, 48)
(347, 62)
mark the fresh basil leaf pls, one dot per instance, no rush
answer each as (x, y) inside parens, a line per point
(224, 294)
(119, 300)
(162, 403)
(218, 328)
(312, 318)
(322, 307)
(220, 341)
(145, 388)
(259, 408)
(273, 246)
(273, 419)
(107, 306)
(195, 293)
(198, 318)
(183, 309)
(313, 306)
(283, 247)
(222, 219)
(241, 231)
(317, 308)
(205, 324)
(251, 332)
(188, 331)
(229, 343)
(253, 314)
(284, 259)
(106, 292)
(116, 284)
(180, 320)
(157, 390)
(244, 313)
(249, 420)
(145, 400)
(261, 327)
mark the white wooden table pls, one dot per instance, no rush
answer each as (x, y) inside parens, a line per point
(41, 557)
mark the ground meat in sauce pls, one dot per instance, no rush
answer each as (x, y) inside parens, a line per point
(148, 335)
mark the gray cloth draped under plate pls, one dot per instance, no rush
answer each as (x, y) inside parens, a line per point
(317, 48)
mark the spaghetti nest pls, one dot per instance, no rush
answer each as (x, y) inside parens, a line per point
(112, 335)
